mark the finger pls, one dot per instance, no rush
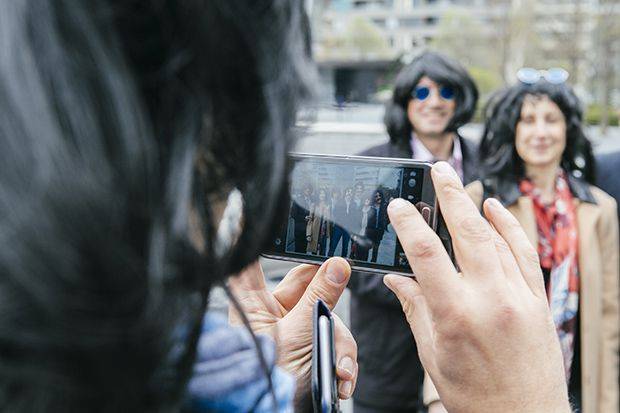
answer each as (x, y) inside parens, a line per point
(294, 284)
(507, 260)
(346, 359)
(416, 309)
(328, 284)
(470, 232)
(428, 258)
(522, 250)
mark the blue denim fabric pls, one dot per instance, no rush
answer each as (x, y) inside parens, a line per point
(228, 376)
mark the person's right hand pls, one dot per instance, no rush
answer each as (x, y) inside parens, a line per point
(486, 335)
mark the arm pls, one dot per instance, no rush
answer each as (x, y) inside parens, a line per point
(608, 241)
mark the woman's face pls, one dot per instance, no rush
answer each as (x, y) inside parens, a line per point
(541, 132)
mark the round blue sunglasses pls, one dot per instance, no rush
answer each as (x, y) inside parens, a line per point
(422, 92)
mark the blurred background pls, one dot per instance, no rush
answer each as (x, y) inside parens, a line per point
(360, 45)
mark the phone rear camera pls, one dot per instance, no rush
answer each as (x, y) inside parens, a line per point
(412, 182)
(412, 173)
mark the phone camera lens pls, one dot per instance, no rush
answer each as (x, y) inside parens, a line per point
(278, 241)
(412, 173)
(412, 182)
(410, 197)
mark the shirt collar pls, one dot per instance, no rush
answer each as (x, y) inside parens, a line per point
(420, 153)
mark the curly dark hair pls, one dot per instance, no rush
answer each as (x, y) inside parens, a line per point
(440, 69)
(117, 120)
(498, 155)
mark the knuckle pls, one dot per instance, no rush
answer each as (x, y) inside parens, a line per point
(505, 317)
(403, 217)
(349, 344)
(320, 291)
(474, 228)
(449, 187)
(457, 324)
(423, 248)
(531, 256)
(501, 246)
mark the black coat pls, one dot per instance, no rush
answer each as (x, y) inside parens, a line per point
(390, 373)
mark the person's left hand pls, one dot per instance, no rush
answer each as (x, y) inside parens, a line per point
(286, 315)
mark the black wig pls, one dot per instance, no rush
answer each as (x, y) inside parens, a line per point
(118, 118)
(442, 70)
(500, 162)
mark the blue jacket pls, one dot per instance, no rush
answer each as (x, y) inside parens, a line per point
(228, 376)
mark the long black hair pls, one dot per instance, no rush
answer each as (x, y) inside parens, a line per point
(500, 162)
(117, 120)
(442, 70)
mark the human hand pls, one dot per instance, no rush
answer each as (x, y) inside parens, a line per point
(286, 315)
(485, 336)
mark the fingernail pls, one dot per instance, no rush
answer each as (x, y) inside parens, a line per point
(346, 364)
(335, 272)
(494, 203)
(345, 389)
(397, 203)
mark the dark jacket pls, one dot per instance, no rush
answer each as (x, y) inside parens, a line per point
(390, 373)
(377, 222)
(608, 175)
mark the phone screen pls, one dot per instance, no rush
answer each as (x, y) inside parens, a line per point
(339, 208)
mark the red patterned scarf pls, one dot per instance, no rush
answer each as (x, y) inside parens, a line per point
(558, 250)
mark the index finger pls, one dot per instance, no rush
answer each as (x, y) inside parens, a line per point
(427, 257)
(471, 234)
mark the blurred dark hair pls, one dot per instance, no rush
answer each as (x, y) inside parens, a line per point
(118, 118)
(442, 70)
(500, 162)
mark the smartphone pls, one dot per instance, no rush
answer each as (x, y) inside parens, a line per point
(324, 382)
(338, 207)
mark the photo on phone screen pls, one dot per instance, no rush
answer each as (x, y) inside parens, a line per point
(339, 208)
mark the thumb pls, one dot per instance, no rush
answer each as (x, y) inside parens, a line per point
(328, 284)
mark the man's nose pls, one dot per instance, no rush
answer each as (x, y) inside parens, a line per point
(434, 99)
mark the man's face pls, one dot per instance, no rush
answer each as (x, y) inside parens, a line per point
(431, 107)
(378, 198)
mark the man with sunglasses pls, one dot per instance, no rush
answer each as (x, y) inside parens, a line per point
(433, 96)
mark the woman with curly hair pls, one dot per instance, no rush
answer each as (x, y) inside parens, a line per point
(537, 161)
